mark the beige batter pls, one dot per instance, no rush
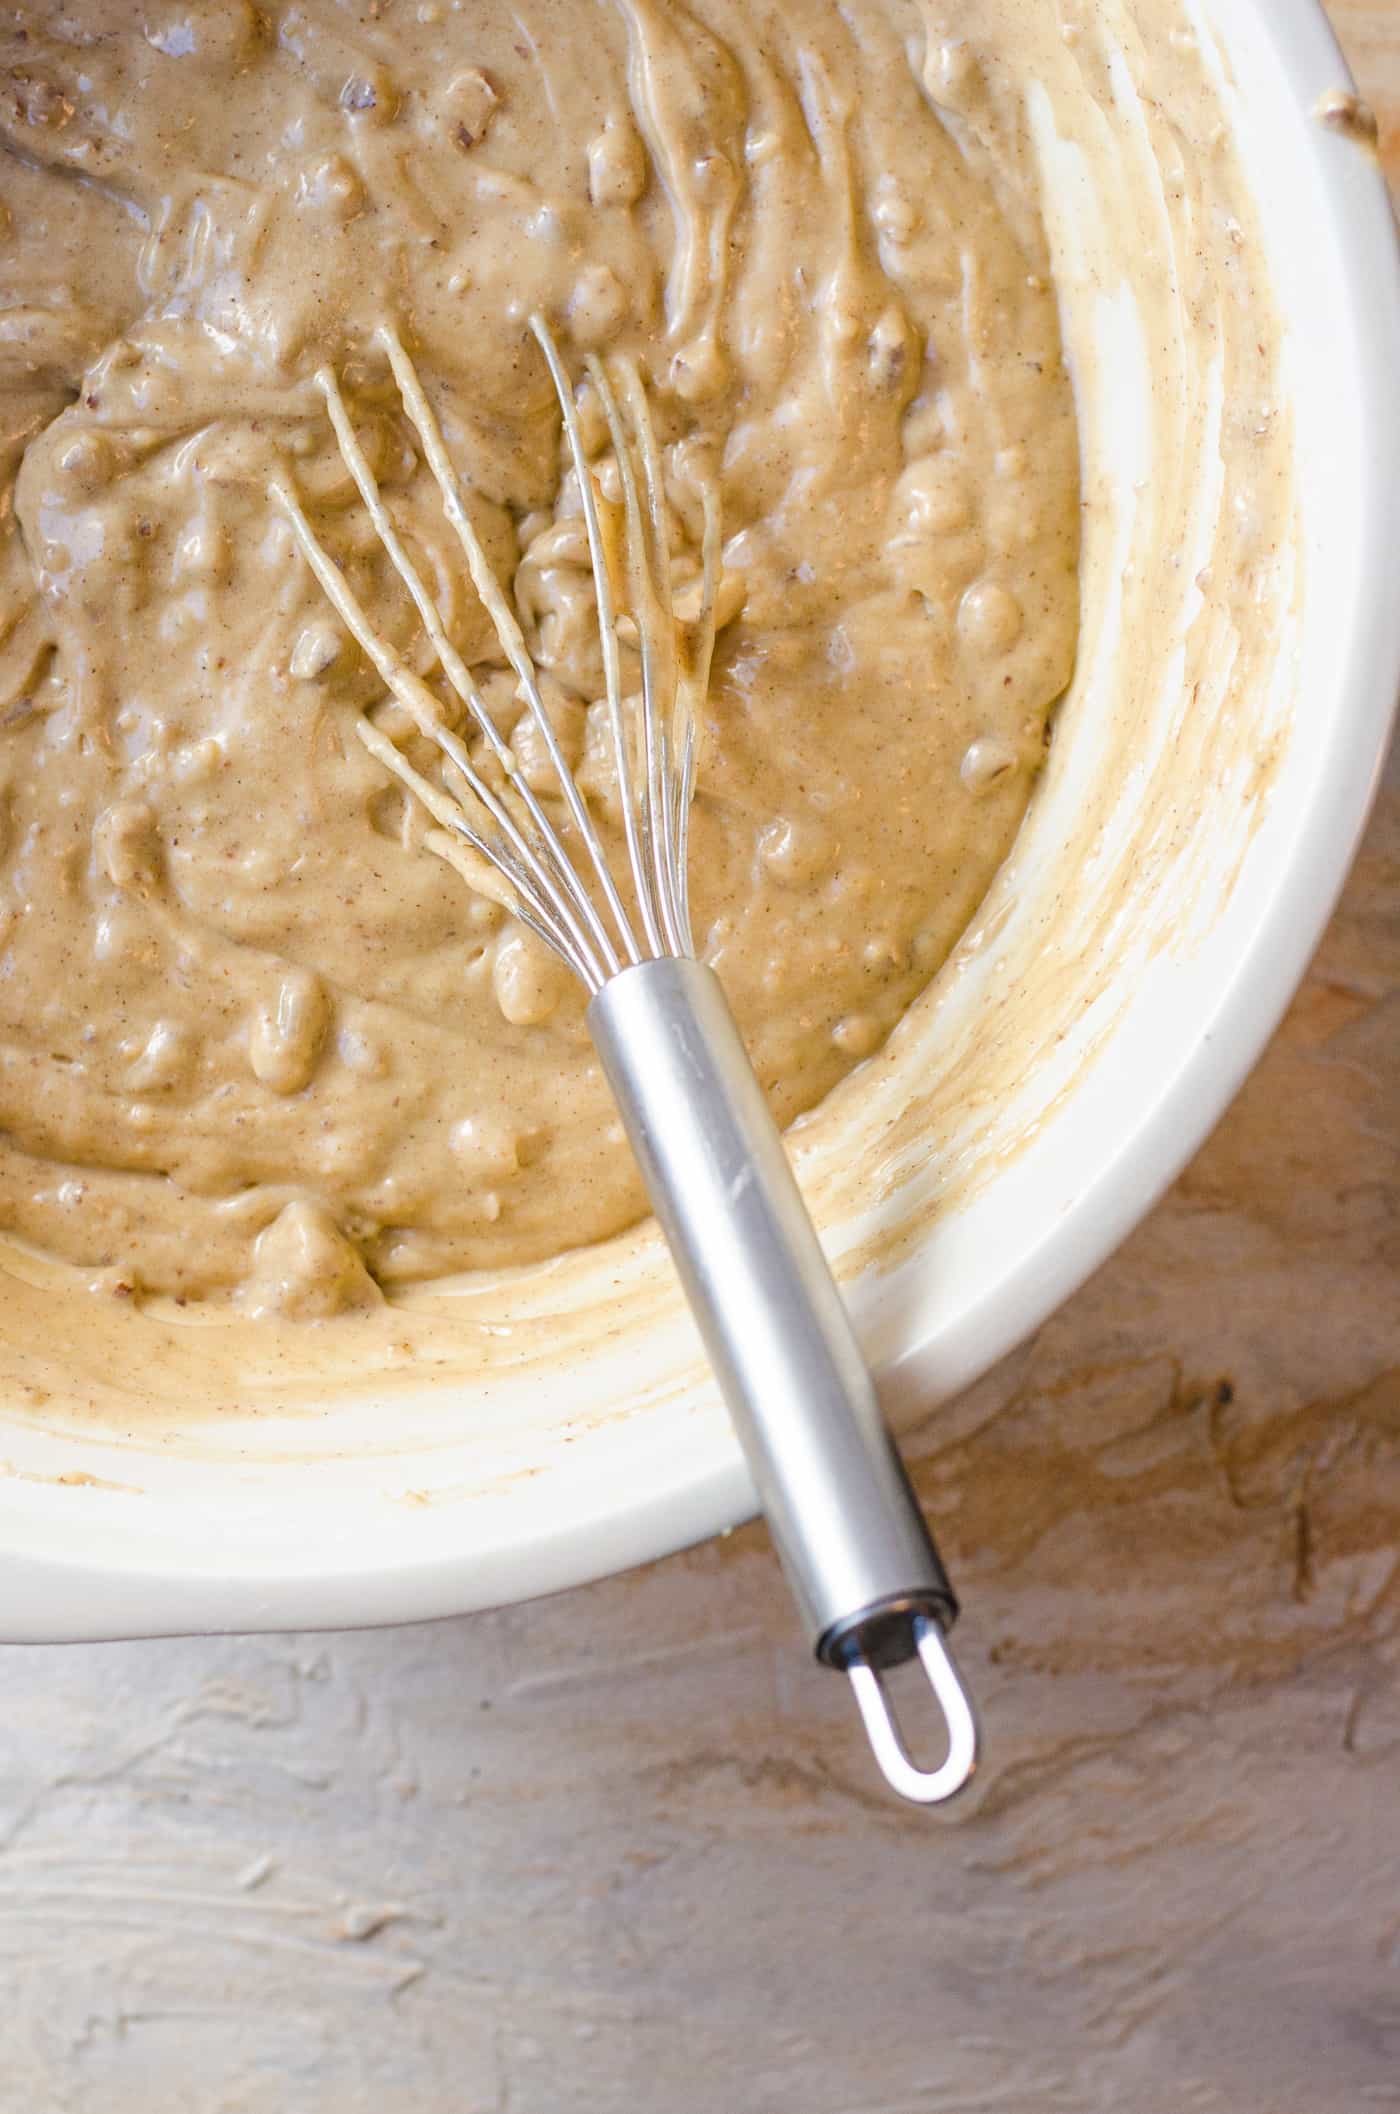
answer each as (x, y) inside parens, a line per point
(253, 1039)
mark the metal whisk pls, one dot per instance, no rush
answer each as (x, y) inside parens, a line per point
(867, 1579)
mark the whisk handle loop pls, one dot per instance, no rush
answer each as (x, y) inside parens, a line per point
(868, 1581)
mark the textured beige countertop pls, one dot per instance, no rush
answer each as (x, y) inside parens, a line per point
(621, 1852)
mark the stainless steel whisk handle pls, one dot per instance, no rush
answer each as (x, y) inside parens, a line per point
(866, 1576)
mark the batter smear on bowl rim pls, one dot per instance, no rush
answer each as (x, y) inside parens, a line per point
(253, 1043)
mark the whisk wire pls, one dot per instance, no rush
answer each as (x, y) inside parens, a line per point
(537, 889)
(633, 826)
(654, 744)
(453, 823)
(546, 858)
(508, 631)
(693, 690)
(652, 612)
(662, 644)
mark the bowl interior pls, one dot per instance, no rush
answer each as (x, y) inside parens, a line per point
(1230, 304)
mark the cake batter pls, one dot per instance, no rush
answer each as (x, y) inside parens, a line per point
(254, 1042)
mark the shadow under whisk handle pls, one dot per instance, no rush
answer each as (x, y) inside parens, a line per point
(866, 1576)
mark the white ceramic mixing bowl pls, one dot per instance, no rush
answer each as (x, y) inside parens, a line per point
(1159, 910)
